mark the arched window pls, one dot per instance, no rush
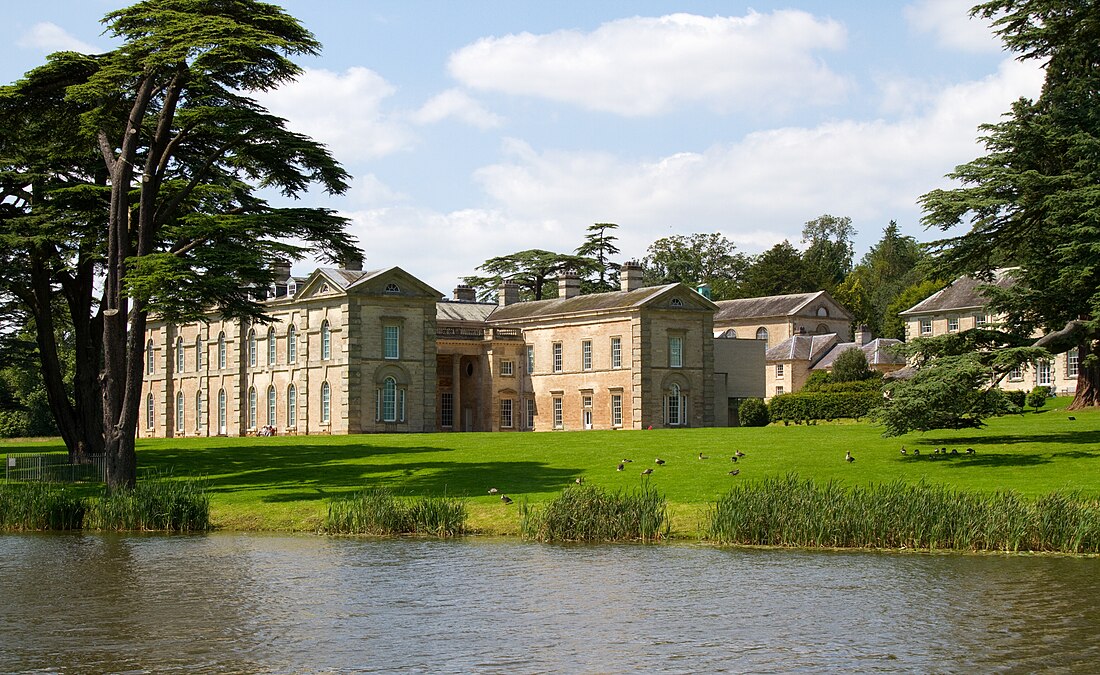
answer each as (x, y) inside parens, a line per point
(252, 347)
(389, 400)
(292, 344)
(149, 357)
(292, 406)
(198, 353)
(326, 403)
(761, 333)
(822, 329)
(271, 346)
(149, 418)
(326, 341)
(222, 417)
(252, 407)
(179, 355)
(823, 311)
(672, 405)
(221, 350)
(392, 288)
(179, 411)
(198, 410)
(271, 405)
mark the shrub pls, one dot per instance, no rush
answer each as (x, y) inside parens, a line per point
(816, 380)
(587, 513)
(1016, 397)
(752, 413)
(809, 406)
(851, 365)
(378, 511)
(155, 504)
(1038, 397)
(873, 383)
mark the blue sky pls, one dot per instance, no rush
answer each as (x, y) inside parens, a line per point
(474, 129)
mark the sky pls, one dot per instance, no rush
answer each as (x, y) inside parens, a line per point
(478, 128)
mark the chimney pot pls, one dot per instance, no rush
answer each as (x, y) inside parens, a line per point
(569, 285)
(508, 293)
(630, 276)
(465, 293)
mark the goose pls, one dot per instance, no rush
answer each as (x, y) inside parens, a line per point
(646, 472)
(620, 467)
(506, 499)
(903, 449)
(916, 451)
(954, 451)
(848, 457)
(739, 453)
(579, 481)
(735, 472)
(734, 458)
(627, 461)
(658, 461)
(1072, 418)
(970, 451)
(493, 491)
(935, 451)
(702, 456)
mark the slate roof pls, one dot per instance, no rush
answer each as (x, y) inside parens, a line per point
(876, 352)
(593, 302)
(767, 306)
(802, 348)
(345, 278)
(963, 293)
(478, 312)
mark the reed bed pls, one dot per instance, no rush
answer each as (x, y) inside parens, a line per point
(155, 504)
(789, 511)
(588, 513)
(377, 511)
(40, 506)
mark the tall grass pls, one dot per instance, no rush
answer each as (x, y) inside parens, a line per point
(790, 511)
(587, 513)
(40, 506)
(378, 511)
(155, 504)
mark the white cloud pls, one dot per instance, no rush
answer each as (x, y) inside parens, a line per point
(49, 37)
(457, 104)
(949, 21)
(646, 66)
(344, 111)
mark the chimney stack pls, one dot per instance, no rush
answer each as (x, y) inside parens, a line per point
(863, 335)
(569, 285)
(630, 276)
(353, 261)
(508, 293)
(465, 293)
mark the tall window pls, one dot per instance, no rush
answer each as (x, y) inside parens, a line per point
(198, 410)
(616, 352)
(616, 410)
(446, 409)
(557, 357)
(530, 359)
(506, 413)
(558, 419)
(179, 355)
(779, 368)
(179, 411)
(326, 341)
(292, 406)
(676, 352)
(271, 352)
(953, 324)
(673, 405)
(389, 400)
(221, 350)
(1073, 362)
(149, 357)
(198, 353)
(292, 344)
(530, 413)
(391, 342)
(507, 368)
(252, 407)
(149, 418)
(586, 355)
(926, 326)
(1043, 373)
(252, 348)
(761, 333)
(271, 405)
(326, 403)
(222, 416)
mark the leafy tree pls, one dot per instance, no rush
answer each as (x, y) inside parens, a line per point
(752, 413)
(182, 148)
(1037, 397)
(697, 258)
(828, 256)
(534, 270)
(600, 245)
(892, 325)
(892, 265)
(778, 271)
(1032, 201)
(851, 366)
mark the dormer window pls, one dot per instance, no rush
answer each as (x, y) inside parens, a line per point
(291, 288)
(392, 288)
(676, 302)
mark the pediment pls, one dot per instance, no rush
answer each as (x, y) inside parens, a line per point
(393, 282)
(680, 297)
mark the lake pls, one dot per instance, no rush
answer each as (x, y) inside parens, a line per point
(297, 603)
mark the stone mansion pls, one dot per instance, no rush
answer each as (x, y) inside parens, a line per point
(352, 351)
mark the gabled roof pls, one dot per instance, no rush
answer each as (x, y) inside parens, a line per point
(963, 293)
(876, 351)
(772, 306)
(600, 302)
(346, 280)
(802, 348)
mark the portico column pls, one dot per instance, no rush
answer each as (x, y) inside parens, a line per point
(456, 391)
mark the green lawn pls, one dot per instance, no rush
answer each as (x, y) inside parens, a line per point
(284, 483)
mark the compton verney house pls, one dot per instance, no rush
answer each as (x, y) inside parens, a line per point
(352, 351)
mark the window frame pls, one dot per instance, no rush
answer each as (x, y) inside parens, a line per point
(447, 409)
(326, 403)
(924, 326)
(616, 352)
(507, 368)
(558, 361)
(391, 345)
(150, 358)
(1073, 362)
(530, 359)
(199, 348)
(559, 413)
(291, 344)
(223, 351)
(952, 324)
(272, 410)
(616, 410)
(179, 354)
(326, 341)
(292, 406)
(252, 344)
(586, 355)
(675, 351)
(506, 413)
(780, 370)
(272, 346)
(673, 405)
(198, 409)
(150, 412)
(179, 412)
(531, 409)
(252, 408)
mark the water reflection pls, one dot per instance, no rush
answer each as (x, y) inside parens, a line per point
(251, 603)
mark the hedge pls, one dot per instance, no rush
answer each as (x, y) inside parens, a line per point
(808, 406)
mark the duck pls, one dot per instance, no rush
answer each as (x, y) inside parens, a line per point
(646, 472)
(734, 458)
(658, 461)
(848, 457)
(620, 467)
(735, 472)
(1072, 418)
(493, 491)
(506, 499)
(916, 451)
(970, 451)
(903, 449)
(627, 461)
(702, 456)
(954, 451)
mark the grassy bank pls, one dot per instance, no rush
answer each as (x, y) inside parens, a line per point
(287, 483)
